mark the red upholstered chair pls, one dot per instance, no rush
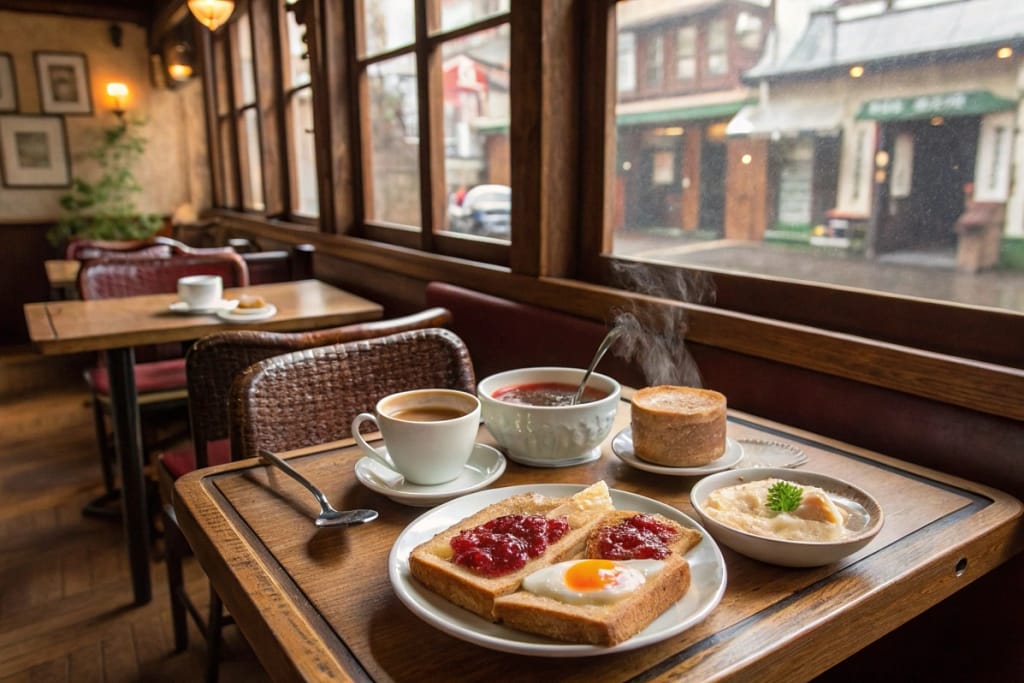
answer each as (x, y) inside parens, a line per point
(85, 249)
(159, 372)
(212, 364)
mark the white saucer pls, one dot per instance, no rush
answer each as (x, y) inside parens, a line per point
(183, 307)
(484, 466)
(622, 446)
(250, 314)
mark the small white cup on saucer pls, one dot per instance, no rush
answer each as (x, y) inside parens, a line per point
(201, 291)
(429, 434)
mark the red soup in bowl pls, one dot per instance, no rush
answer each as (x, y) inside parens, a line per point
(546, 394)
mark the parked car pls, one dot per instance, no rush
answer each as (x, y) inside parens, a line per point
(482, 210)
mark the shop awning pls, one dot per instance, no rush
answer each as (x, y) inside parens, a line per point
(717, 110)
(947, 104)
(787, 118)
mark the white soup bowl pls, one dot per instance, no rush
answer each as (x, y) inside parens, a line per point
(549, 436)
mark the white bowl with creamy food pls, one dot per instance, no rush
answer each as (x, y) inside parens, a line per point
(831, 518)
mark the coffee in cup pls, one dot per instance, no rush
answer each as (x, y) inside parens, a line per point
(201, 291)
(429, 434)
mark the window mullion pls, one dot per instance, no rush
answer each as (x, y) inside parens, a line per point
(428, 69)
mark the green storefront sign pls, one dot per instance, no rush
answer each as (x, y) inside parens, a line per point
(959, 103)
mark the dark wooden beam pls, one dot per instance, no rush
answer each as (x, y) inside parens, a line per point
(139, 12)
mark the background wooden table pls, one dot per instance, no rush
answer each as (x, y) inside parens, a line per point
(317, 604)
(114, 326)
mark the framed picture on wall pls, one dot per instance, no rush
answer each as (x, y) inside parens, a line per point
(63, 83)
(8, 89)
(34, 151)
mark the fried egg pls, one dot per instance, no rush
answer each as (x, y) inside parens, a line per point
(591, 582)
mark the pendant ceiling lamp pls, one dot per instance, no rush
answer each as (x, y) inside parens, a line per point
(211, 13)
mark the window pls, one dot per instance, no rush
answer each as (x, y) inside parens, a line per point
(247, 118)
(718, 48)
(855, 185)
(655, 61)
(686, 53)
(625, 76)
(298, 96)
(435, 124)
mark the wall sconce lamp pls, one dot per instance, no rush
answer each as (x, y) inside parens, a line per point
(211, 13)
(118, 94)
(179, 62)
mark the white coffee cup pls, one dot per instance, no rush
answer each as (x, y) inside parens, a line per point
(429, 433)
(201, 291)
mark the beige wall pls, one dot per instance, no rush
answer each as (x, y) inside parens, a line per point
(173, 172)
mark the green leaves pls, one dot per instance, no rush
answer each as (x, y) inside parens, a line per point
(103, 206)
(784, 496)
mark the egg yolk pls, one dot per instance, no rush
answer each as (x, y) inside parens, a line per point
(591, 575)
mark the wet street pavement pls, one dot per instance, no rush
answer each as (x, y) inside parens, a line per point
(930, 275)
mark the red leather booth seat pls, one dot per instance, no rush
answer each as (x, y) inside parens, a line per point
(976, 634)
(503, 334)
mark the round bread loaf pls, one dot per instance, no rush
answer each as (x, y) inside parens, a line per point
(678, 426)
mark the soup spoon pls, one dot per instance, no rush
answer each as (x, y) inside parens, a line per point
(602, 349)
(328, 515)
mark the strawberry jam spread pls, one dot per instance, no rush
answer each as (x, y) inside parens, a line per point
(506, 543)
(640, 537)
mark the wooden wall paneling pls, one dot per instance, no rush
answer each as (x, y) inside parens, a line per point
(266, 42)
(22, 276)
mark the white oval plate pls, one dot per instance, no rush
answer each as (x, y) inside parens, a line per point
(707, 569)
(183, 307)
(485, 465)
(251, 314)
(622, 446)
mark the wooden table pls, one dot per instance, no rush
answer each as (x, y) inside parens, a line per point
(114, 326)
(318, 604)
(62, 274)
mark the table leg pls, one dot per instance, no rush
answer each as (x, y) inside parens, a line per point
(130, 456)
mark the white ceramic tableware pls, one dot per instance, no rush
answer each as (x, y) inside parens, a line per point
(549, 436)
(429, 433)
(865, 521)
(707, 582)
(482, 469)
(201, 291)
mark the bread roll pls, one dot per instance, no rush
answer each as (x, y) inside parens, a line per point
(678, 426)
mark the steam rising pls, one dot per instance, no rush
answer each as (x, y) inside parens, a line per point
(652, 334)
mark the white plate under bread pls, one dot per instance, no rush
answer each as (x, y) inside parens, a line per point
(707, 585)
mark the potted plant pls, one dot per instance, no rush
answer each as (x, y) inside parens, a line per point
(104, 207)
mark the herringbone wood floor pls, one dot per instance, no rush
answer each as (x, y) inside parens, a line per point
(66, 609)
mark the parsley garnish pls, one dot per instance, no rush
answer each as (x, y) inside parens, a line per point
(784, 497)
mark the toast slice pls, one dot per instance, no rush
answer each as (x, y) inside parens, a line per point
(684, 538)
(431, 563)
(597, 624)
(606, 624)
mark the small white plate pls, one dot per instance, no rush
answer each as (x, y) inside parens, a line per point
(484, 466)
(250, 315)
(183, 307)
(622, 446)
(707, 584)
